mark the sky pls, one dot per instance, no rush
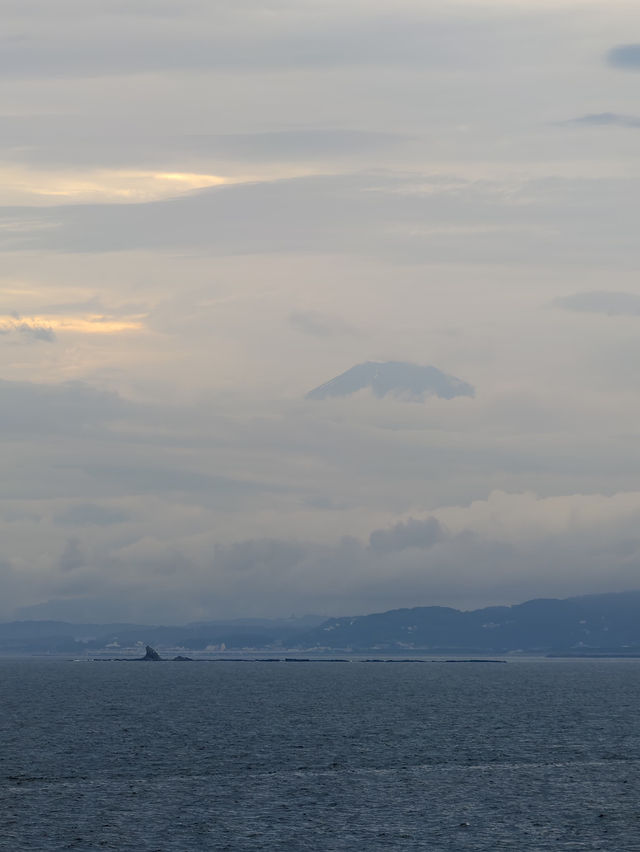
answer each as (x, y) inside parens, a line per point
(210, 207)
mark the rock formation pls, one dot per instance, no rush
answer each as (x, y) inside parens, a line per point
(151, 654)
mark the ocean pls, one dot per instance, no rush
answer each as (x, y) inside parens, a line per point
(531, 755)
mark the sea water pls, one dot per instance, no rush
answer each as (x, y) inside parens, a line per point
(319, 756)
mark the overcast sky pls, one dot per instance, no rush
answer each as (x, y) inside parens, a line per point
(210, 207)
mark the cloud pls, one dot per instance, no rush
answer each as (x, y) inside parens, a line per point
(158, 478)
(506, 549)
(28, 408)
(606, 119)
(269, 556)
(71, 558)
(395, 198)
(15, 587)
(229, 40)
(45, 327)
(307, 143)
(548, 547)
(92, 306)
(412, 533)
(32, 329)
(87, 164)
(602, 302)
(625, 56)
(56, 186)
(38, 332)
(92, 514)
(319, 324)
(405, 218)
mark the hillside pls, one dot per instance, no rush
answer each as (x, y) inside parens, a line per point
(609, 622)
(589, 625)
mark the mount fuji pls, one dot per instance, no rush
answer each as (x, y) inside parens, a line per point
(393, 378)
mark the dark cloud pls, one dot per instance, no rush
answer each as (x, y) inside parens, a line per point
(411, 533)
(625, 56)
(22, 328)
(606, 119)
(37, 332)
(602, 302)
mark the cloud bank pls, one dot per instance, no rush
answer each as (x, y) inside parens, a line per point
(209, 208)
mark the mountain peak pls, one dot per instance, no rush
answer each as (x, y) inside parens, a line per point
(394, 378)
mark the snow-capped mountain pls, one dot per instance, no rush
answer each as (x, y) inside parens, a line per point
(395, 378)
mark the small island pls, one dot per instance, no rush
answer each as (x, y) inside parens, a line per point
(150, 655)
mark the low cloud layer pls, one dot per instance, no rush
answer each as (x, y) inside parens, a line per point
(607, 119)
(602, 302)
(561, 544)
(71, 407)
(407, 534)
(625, 56)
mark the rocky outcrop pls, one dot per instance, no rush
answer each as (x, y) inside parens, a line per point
(151, 654)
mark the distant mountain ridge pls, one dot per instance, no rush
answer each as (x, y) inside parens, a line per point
(395, 378)
(608, 622)
(60, 637)
(589, 625)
